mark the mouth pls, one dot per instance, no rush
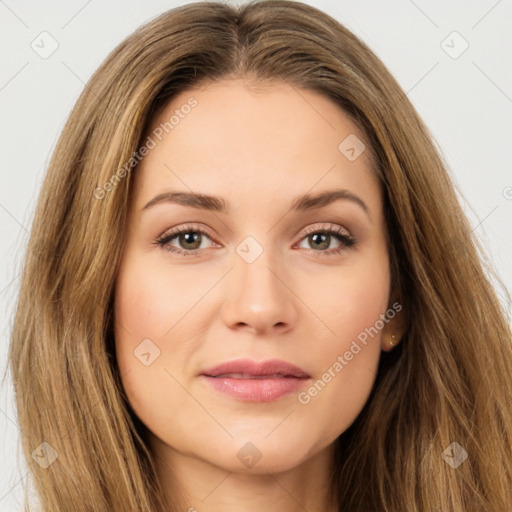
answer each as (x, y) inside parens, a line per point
(250, 376)
(254, 381)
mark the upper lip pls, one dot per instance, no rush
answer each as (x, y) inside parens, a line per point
(249, 368)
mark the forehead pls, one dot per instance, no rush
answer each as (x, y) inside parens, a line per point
(268, 141)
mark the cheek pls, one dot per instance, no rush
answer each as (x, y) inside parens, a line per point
(142, 306)
(156, 325)
(151, 304)
(351, 299)
(143, 313)
(351, 305)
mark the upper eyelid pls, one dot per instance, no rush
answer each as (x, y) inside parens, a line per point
(184, 229)
(330, 227)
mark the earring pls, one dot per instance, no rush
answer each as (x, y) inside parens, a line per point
(393, 341)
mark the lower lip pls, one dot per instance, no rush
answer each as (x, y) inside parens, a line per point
(256, 390)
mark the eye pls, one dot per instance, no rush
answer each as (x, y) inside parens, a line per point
(321, 238)
(190, 238)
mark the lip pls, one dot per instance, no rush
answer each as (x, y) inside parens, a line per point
(255, 381)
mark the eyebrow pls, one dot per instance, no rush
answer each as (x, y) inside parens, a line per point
(305, 202)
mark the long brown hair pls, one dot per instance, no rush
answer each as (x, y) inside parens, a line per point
(450, 379)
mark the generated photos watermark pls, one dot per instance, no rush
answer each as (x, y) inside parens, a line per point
(304, 397)
(149, 144)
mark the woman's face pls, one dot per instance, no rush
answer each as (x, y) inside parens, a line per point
(269, 270)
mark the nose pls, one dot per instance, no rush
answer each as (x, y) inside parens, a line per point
(260, 298)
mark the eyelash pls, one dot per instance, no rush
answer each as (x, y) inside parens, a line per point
(339, 233)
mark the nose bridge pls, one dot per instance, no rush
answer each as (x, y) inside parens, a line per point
(258, 296)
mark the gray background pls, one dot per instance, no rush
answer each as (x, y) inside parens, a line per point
(465, 101)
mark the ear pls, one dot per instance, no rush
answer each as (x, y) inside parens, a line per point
(395, 327)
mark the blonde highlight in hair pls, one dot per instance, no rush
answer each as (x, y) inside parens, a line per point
(449, 379)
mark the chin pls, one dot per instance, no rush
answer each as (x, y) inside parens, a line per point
(254, 455)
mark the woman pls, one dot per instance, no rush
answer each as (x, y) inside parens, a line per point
(250, 285)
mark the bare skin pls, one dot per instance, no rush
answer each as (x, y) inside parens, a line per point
(298, 300)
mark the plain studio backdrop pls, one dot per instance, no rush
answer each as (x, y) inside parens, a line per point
(452, 60)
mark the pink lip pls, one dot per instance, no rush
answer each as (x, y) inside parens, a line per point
(255, 381)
